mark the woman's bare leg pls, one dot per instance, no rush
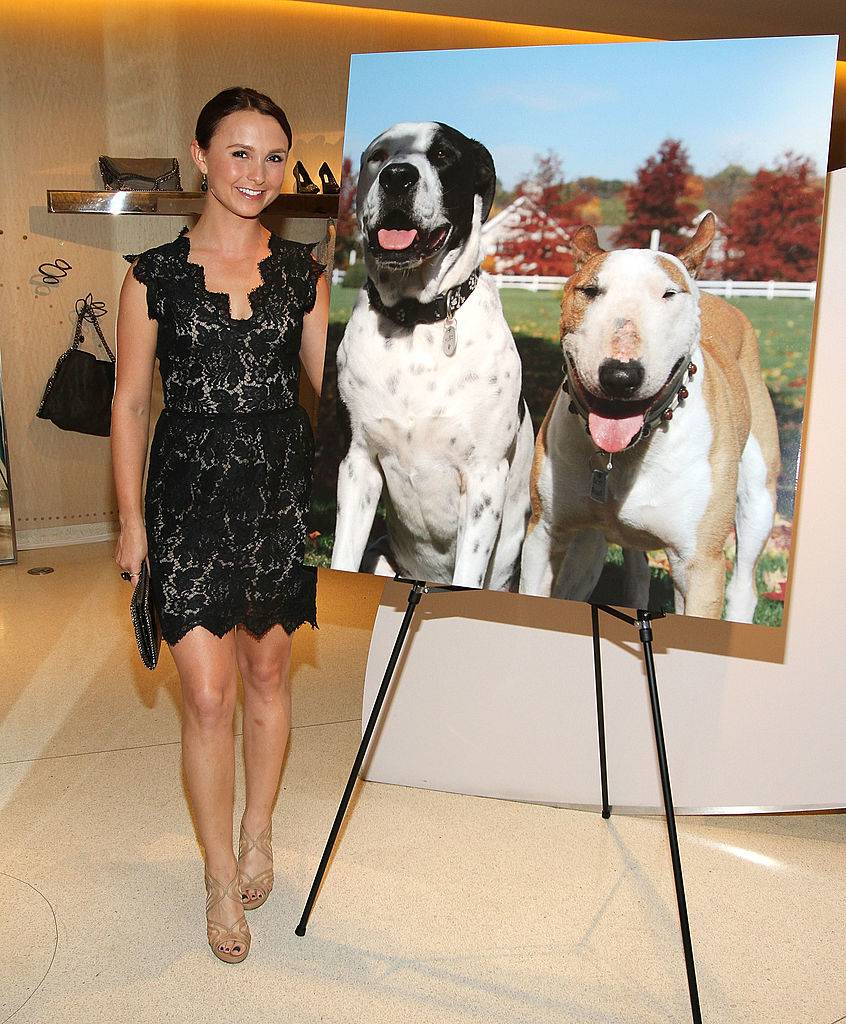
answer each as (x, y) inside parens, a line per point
(207, 671)
(264, 665)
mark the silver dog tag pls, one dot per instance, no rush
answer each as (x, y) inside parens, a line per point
(449, 336)
(599, 479)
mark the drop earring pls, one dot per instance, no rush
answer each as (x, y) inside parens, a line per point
(204, 187)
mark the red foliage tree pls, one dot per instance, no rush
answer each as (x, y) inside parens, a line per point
(544, 185)
(774, 229)
(539, 240)
(569, 204)
(346, 226)
(660, 198)
(535, 244)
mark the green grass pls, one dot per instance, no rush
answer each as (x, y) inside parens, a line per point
(535, 314)
(783, 327)
(343, 300)
(769, 613)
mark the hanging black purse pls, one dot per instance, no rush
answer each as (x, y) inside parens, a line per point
(145, 619)
(140, 174)
(79, 393)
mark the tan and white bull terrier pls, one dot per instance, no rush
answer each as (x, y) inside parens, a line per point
(665, 438)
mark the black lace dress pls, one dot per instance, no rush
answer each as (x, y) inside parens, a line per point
(231, 458)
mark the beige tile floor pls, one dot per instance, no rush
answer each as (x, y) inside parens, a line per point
(437, 908)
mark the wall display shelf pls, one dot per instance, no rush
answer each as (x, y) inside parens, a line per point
(179, 204)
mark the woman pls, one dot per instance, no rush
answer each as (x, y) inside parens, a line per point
(230, 309)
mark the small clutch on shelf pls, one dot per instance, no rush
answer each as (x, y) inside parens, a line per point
(140, 174)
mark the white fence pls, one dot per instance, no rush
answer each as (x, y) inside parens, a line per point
(728, 289)
(762, 289)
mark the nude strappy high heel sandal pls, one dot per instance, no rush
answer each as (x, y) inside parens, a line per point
(238, 934)
(264, 879)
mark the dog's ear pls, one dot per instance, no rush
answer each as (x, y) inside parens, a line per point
(693, 253)
(584, 245)
(485, 183)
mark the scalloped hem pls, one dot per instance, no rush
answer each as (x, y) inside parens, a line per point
(289, 623)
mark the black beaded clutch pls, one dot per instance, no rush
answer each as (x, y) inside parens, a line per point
(145, 619)
(143, 174)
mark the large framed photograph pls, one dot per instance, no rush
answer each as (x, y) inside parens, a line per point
(571, 320)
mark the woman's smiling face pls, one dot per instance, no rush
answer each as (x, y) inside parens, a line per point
(245, 162)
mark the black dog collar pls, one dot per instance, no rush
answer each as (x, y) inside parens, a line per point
(410, 311)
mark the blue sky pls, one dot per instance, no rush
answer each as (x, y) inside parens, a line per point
(604, 108)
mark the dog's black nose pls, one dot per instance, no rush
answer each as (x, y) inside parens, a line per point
(620, 380)
(397, 178)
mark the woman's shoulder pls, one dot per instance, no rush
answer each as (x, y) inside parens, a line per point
(301, 251)
(302, 270)
(299, 257)
(158, 257)
(153, 267)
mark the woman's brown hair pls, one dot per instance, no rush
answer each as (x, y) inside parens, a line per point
(227, 102)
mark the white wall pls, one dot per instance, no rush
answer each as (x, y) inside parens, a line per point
(494, 694)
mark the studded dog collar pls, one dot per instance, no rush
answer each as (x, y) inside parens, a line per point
(660, 409)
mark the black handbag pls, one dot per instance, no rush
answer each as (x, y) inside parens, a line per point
(145, 619)
(79, 393)
(140, 174)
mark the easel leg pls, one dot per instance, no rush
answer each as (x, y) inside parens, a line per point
(413, 600)
(645, 629)
(600, 711)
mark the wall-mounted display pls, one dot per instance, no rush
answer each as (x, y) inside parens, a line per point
(571, 320)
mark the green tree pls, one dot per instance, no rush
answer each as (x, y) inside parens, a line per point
(725, 188)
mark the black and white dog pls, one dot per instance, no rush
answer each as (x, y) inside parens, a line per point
(430, 375)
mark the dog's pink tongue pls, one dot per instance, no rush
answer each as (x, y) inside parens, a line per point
(613, 435)
(395, 239)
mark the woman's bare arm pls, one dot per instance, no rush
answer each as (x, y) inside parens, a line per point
(313, 346)
(136, 357)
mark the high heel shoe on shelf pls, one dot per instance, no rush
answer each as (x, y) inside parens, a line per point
(305, 186)
(264, 879)
(327, 180)
(236, 936)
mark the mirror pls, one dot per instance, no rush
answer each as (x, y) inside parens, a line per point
(8, 548)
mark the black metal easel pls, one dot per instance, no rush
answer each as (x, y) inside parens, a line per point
(643, 621)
